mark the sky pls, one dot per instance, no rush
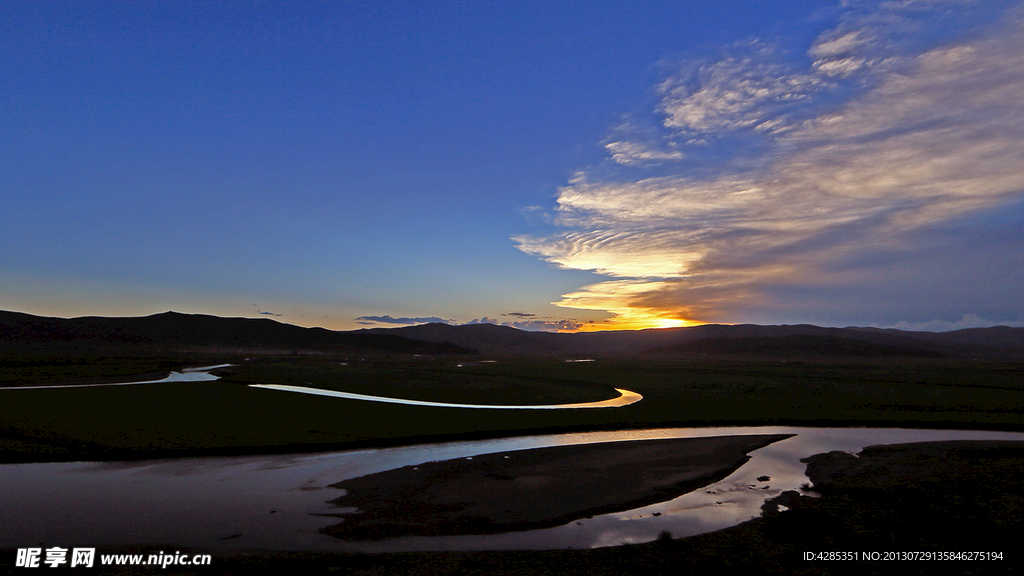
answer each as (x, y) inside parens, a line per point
(576, 165)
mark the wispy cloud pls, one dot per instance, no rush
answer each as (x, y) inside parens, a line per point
(366, 320)
(890, 128)
(546, 325)
(967, 321)
(533, 323)
(264, 313)
(633, 153)
(754, 90)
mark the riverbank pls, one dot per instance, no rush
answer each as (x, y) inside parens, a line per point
(227, 417)
(931, 497)
(527, 489)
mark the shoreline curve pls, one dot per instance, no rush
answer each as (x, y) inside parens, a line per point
(625, 398)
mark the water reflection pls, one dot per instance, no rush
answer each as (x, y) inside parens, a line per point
(199, 374)
(272, 502)
(625, 398)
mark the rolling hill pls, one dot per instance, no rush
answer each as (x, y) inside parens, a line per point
(18, 330)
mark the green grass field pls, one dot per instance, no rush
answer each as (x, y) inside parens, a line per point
(227, 416)
(940, 508)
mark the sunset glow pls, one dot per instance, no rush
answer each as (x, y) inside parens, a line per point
(525, 164)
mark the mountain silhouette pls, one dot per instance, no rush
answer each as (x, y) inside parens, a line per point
(715, 340)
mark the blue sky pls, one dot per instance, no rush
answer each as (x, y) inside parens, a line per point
(545, 164)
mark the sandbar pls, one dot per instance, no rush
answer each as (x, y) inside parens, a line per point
(526, 489)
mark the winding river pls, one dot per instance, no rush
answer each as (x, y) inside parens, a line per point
(277, 502)
(625, 398)
(198, 374)
(280, 502)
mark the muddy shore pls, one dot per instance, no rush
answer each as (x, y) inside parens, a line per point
(932, 497)
(518, 490)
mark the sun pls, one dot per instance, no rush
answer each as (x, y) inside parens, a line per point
(672, 323)
(632, 319)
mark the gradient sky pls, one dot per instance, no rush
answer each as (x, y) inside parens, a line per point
(545, 164)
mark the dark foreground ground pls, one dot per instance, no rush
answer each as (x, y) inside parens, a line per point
(538, 488)
(952, 498)
(942, 498)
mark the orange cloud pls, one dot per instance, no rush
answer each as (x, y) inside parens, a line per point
(933, 137)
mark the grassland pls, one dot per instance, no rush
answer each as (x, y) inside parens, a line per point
(941, 499)
(226, 416)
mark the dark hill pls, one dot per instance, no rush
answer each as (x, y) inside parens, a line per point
(486, 338)
(751, 339)
(172, 328)
(796, 346)
(770, 342)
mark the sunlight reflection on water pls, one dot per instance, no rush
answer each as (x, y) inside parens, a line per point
(272, 502)
(280, 502)
(625, 398)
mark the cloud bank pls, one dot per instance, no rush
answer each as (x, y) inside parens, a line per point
(904, 117)
(524, 321)
(967, 321)
(367, 320)
(532, 323)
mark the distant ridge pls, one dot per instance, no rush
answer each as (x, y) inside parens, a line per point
(711, 340)
(173, 328)
(801, 340)
(485, 338)
(800, 345)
